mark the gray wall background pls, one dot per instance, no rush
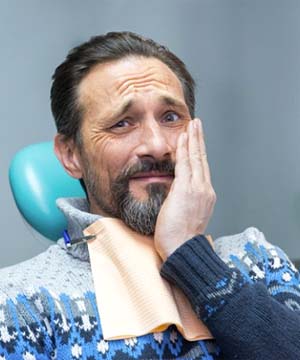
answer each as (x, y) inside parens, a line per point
(245, 56)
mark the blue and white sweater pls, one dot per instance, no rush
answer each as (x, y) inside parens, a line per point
(250, 301)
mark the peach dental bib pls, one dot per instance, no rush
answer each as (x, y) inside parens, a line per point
(132, 297)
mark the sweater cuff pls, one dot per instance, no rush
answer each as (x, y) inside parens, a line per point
(205, 279)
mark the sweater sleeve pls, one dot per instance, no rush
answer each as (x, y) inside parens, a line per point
(245, 319)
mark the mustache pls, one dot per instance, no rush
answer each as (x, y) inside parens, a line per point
(166, 166)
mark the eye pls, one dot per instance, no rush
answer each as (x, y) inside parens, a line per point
(121, 124)
(171, 117)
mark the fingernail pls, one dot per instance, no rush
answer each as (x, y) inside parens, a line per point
(195, 123)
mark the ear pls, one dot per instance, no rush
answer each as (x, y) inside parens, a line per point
(68, 154)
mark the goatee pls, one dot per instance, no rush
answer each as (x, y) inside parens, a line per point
(139, 215)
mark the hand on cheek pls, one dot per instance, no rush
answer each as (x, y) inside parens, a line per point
(190, 202)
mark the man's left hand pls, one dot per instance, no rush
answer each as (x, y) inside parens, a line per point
(190, 202)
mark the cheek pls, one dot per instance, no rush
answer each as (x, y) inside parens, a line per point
(105, 154)
(113, 158)
(173, 136)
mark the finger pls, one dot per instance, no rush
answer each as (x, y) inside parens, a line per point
(203, 155)
(195, 152)
(182, 166)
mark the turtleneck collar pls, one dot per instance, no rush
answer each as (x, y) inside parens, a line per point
(76, 211)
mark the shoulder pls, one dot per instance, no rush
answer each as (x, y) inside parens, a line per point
(259, 260)
(254, 255)
(251, 240)
(54, 269)
(238, 244)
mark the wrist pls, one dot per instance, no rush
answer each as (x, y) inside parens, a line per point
(202, 275)
(165, 249)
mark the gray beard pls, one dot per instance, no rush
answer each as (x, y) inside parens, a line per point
(140, 216)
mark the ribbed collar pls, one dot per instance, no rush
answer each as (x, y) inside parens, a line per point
(76, 211)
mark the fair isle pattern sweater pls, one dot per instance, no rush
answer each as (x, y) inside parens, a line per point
(250, 300)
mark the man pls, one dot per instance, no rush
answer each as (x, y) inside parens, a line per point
(124, 110)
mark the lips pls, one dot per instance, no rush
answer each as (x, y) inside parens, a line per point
(151, 174)
(152, 177)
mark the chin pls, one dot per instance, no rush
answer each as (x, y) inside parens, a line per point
(139, 194)
(150, 190)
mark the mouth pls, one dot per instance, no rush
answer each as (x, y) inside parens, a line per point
(152, 176)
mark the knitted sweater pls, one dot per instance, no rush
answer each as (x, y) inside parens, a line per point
(250, 301)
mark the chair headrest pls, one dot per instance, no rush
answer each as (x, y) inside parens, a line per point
(37, 179)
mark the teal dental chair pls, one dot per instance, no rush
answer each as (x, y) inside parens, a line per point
(37, 179)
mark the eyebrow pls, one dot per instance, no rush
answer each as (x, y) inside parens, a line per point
(164, 99)
(123, 109)
(168, 100)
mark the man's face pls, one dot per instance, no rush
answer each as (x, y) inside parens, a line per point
(133, 112)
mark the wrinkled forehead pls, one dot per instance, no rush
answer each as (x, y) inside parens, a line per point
(117, 80)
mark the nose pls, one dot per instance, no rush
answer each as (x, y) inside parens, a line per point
(154, 141)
